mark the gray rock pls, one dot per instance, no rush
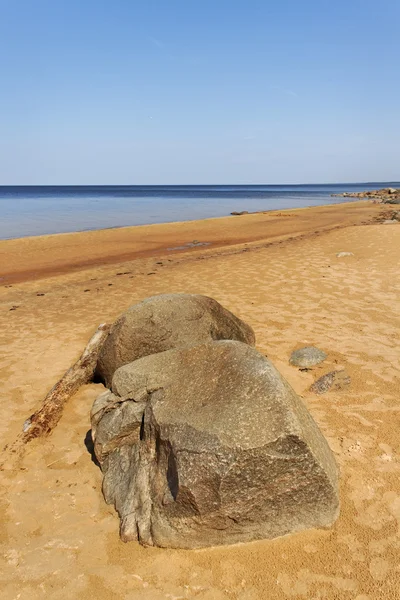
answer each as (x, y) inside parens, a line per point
(390, 222)
(307, 357)
(392, 201)
(242, 212)
(167, 321)
(342, 254)
(209, 445)
(336, 380)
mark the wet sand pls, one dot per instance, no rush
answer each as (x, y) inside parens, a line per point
(44, 256)
(60, 540)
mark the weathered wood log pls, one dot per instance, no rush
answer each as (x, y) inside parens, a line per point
(43, 421)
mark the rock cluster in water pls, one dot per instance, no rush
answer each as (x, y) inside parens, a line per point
(384, 195)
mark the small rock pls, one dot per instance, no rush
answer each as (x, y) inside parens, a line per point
(242, 212)
(336, 380)
(389, 222)
(39, 294)
(307, 357)
(342, 254)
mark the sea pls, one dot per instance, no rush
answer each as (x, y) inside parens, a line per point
(41, 210)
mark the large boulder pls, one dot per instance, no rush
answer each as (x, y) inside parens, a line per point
(167, 321)
(209, 445)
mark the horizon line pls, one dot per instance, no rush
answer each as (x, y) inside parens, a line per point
(193, 184)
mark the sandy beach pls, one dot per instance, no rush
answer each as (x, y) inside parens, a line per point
(279, 271)
(41, 256)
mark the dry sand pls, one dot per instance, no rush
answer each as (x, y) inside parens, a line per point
(60, 540)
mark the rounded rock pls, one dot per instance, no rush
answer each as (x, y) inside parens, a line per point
(167, 321)
(307, 357)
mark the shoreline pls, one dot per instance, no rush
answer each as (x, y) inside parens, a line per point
(165, 223)
(37, 257)
(49, 210)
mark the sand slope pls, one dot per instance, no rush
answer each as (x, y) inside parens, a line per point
(58, 538)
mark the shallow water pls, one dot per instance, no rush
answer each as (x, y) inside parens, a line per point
(38, 210)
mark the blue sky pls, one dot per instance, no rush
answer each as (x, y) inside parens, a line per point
(199, 91)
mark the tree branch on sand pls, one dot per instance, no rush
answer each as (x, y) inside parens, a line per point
(43, 421)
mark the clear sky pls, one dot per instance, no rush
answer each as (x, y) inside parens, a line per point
(199, 91)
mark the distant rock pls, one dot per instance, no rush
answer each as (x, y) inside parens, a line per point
(243, 212)
(167, 321)
(385, 195)
(342, 254)
(392, 200)
(209, 445)
(336, 380)
(307, 357)
(390, 222)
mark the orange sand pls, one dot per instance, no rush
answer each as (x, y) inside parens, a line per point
(41, 256)
(60, 540)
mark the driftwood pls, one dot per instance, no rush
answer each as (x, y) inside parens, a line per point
(43, 421)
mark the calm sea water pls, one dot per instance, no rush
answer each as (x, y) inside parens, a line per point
(38, 210)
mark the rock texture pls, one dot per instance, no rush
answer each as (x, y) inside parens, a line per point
(307, 357)
(342, 254)
(336, 380)
(167, 321)
(209, 445)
